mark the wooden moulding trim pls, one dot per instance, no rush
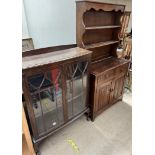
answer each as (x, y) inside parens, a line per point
(97, 9)
(102, 9)
(99, 2)
(53, 57)
(43, 68)
(47, 49)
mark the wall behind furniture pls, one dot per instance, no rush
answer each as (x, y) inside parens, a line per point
(25, 32)
(53, 22)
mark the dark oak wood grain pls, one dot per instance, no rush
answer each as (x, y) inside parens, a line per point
(51, 82)
(98, 25)
(47, 58)
(107, 84)
(47, 50)
(98, 28)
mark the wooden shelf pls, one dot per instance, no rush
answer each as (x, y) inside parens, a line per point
(102, 27)
(100, 44)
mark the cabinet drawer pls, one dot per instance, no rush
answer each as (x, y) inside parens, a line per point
(109, 74)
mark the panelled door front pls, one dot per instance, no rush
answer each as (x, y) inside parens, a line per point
(103, 96)
(117, 88)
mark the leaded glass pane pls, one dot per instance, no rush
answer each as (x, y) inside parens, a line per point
(46, 94)
(76, 88)
(38, 113)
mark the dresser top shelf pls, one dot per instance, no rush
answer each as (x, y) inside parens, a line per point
(57, 56)
(107, 64)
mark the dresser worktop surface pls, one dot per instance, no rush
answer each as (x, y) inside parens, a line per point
(107, 64)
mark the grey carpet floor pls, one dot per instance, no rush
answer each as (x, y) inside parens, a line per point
(109, 134)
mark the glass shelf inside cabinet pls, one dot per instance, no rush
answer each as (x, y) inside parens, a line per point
(76, 88)
(46, 95)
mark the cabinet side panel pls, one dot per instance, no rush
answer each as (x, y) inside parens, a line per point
(92, 96)
(29, 107)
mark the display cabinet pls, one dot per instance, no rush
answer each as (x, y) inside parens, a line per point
(55, 87)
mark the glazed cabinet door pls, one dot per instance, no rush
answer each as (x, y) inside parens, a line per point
(103, 95)
(117, 88)
(77, 87)
(45, 93)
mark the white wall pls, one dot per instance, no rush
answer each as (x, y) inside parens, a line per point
(25, 32)
(53, 22)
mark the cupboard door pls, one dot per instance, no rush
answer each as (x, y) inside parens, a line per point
(77, 83)
(46, 98)
(103, 95)
(117, 88)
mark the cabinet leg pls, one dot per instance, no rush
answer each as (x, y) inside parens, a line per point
(38, 153)
(92, 119)
(87, 116)
(120, 99)
(36, 148)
